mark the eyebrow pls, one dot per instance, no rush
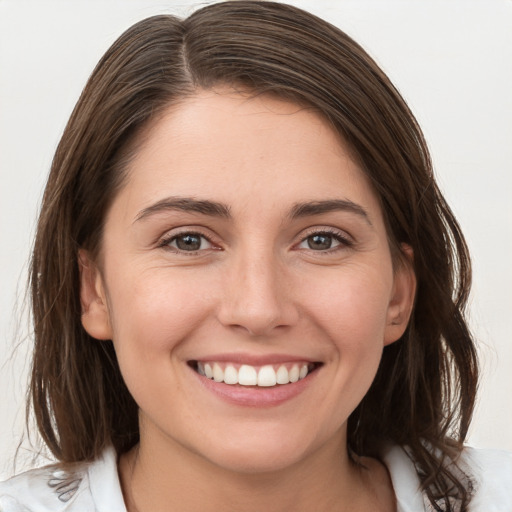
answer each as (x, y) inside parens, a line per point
(311, 208)
(186, 204)
(217, 209)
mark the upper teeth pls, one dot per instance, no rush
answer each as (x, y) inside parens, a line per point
(247, 375)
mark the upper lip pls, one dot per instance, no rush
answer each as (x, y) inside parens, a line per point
(255, 360)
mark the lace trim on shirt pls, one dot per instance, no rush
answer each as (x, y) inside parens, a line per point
(64, 484)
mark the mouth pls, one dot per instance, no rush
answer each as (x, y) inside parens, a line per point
(265, 376)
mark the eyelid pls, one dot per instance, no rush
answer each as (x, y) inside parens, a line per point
(329, 230)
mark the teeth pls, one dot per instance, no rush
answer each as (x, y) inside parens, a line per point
(282, 375)
(247, 375)
(294, 373)
(230, 375)
(267, 376)
(218, 374)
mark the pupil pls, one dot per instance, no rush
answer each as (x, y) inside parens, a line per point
(189, 242)
(319, 242)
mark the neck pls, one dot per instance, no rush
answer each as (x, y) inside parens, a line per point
(164, 477)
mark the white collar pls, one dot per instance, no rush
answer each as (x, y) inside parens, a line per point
(104, 483)
(406, 482)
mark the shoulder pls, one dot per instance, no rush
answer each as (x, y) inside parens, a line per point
(490, 472)
(404, 478)
(87, 487)
(492, 479)
(45, 489)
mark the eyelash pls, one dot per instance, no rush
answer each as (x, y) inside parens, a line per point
(166, 241)
(343, 240)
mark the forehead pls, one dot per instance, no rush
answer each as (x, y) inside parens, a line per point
(236, 147)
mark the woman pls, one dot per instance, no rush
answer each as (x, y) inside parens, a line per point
(248, 291)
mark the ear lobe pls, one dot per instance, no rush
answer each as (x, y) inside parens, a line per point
(402, 298)
(95, 315)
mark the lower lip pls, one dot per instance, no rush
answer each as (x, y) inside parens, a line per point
(256, 396)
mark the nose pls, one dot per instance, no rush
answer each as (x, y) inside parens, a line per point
(257, 296)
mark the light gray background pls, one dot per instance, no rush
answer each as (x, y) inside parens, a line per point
(452, 61)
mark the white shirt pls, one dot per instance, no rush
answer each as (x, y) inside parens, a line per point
(95, 487)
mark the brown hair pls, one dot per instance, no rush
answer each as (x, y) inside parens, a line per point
(424, 391)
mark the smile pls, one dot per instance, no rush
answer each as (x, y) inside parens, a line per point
(247, 375)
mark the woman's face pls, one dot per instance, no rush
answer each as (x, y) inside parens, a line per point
(245, 243)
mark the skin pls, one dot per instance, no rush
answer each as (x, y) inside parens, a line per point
(255, 286)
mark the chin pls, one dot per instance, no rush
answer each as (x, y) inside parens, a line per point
(255, 461)
(254, 452)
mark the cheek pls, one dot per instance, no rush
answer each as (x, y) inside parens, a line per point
(351, 306)
(351, 313)
(346, 313)
(357, 323)
(153, 311)
(151, 314)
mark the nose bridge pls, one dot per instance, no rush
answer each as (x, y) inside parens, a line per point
(255, 294)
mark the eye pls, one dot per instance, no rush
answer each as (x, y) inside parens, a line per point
(323, 241)
(188, 242)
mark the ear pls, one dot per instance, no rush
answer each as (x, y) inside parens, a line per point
(95, 315)
(402, 297)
